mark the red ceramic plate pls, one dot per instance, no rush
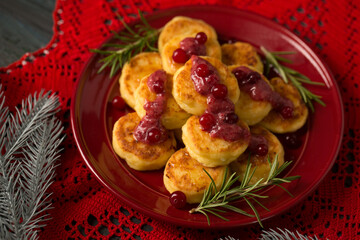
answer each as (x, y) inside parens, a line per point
(92, 119)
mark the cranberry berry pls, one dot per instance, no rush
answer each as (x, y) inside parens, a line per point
(201, 38)
(207, 121)
(154, 135)
(212, 79)
(231, 118)
(203, 70)
(118, 103)
(219, 90)
(261, 149)
(239, 74)
(178, 199)
(287, 112)
(158, 86)
(180, 56)
(291, 140)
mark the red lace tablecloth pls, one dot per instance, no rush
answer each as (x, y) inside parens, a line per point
(84, 209)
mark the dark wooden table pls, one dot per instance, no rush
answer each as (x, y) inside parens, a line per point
(25, 26)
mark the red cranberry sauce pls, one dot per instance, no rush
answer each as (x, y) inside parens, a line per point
(219, 119)
(150, 130)
(190, 46)
(203, 75)
(258, 145)
(253, 84)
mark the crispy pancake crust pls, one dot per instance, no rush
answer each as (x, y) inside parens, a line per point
(241, 53)
(138, 155)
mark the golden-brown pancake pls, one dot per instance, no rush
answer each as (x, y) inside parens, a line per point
(170, 66)
(260, 162)
(173, 116)
(241, 53)
(184, 25)
(185, 174)
(212, 151)
(134, 70)
(140, 156)
(274, 121)
(249, 110)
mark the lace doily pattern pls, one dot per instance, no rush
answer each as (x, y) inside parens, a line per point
(83, 209)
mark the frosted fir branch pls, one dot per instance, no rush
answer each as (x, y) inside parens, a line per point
(34, 110)
(38, 168)
(280, 234)
(285, 234)
(29, 150)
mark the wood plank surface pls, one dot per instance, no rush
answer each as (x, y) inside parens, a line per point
(25, 26)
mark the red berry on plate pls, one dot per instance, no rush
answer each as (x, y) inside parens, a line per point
(118, 103)
(287, 112)
(291, 140)
(219, 90)
(261, 149)
(203, 70)
(207, 121)
(180, 56)
(212, 79)
(154, 135)
(201, 38)
(178, 199)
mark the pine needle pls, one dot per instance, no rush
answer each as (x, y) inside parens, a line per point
(29, 141)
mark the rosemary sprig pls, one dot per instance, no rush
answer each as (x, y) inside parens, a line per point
(141, 38)
(296, 78)
(216, 201)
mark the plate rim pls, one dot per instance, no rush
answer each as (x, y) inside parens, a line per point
(183, 222)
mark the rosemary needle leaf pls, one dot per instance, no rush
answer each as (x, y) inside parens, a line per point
(284, 189)
(212, 180)
(256, 195)
(273, 166)
(246, 179)
(206, 215)
(238, 210)
(255, 212)
(282, 59)
(260, 204)
(216, 214)
(283, 52)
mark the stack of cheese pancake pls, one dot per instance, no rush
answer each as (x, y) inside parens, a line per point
(211, 98)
